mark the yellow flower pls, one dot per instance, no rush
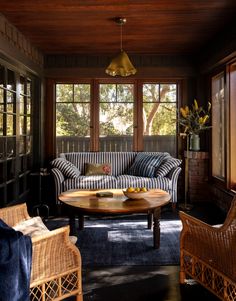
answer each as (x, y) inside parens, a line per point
(205, 118)
(201, 120)
(195, 104)
(183, 112)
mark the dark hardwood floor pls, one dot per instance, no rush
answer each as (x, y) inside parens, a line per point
(148, 283)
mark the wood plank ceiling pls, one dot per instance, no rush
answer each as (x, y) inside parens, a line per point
(88, 27)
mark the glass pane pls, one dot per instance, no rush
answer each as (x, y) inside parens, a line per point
(116, 93)
(82, 93)
(2, 172)
(107, 92)
(22, 148)
(10, 125)
(28, 125)
(22, 85)
(10, 169)
(11, 83)
(11, 147)
(28, 88)
(116, 126)
(2, 147)
(168, 92)
(28, 105)
(28, 144)
(64, 93)
(73, 120)
(1, 124)
(218, 127)
(151, 92)
(1, 96)
(2, 76)
(10, 102)
(159, 117)
(11, 192)
(22, 125)
(22, 105)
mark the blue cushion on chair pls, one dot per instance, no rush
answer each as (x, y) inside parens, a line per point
(145, 165)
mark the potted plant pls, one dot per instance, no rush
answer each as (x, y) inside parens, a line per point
(194, 121)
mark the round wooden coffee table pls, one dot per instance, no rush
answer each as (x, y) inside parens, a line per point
(85, 202)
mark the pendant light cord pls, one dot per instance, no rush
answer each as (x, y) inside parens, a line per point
(121, 37)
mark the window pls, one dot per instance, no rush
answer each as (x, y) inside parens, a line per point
(72, 117)
(120, 115)
(116, 117)
(218, 127)
(159, 117)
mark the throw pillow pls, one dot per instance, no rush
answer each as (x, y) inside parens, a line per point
(97, 169)
(32, 227)
(166, 166)
(145, 165)
(67, 168)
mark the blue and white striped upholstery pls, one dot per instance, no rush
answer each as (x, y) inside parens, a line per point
(120, 161)
(120, 164)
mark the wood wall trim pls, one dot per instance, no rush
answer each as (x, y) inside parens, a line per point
(15, 45)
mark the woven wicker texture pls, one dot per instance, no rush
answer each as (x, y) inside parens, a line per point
(56, 262)
(207, 254)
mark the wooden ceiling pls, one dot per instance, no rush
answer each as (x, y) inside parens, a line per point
(88, 27)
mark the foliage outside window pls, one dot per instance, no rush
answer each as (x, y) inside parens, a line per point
(159, 117)
(116, 117)
(72, 117)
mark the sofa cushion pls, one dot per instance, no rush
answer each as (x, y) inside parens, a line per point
(97, 169)
(166, 166)
(67, 168)
(91, 182)
(145, 165)
(125, 181)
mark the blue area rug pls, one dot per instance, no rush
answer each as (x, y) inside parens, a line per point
(125, 241)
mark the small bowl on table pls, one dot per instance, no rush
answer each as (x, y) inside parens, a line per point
(135, 195)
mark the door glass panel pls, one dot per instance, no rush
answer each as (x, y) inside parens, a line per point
(116, 117)
(159, 117)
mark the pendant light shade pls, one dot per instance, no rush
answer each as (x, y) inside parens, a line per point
(121, 64)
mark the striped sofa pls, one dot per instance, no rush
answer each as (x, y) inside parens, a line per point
(120, 177)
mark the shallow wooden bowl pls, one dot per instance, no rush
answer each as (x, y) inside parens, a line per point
(135, 195)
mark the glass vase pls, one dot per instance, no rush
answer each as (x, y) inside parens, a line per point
(194, 142)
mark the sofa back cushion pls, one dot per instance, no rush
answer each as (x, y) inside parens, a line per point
(119, 161)
(146, 164)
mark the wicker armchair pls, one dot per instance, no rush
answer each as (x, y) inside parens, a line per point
(56, 262)
(208, 254)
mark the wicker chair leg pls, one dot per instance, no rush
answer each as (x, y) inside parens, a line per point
(79, 297)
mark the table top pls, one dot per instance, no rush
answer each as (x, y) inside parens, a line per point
(86, 201)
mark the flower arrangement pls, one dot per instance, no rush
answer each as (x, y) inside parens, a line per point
(194, 120)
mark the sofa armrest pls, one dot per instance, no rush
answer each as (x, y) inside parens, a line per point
(58, 180)
(53, 255)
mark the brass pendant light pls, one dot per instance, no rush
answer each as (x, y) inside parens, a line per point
(121, 64)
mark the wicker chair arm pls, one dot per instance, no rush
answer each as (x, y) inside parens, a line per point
(215, 245)
(53, 254)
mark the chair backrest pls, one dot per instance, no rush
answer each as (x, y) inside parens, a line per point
(14, 214)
